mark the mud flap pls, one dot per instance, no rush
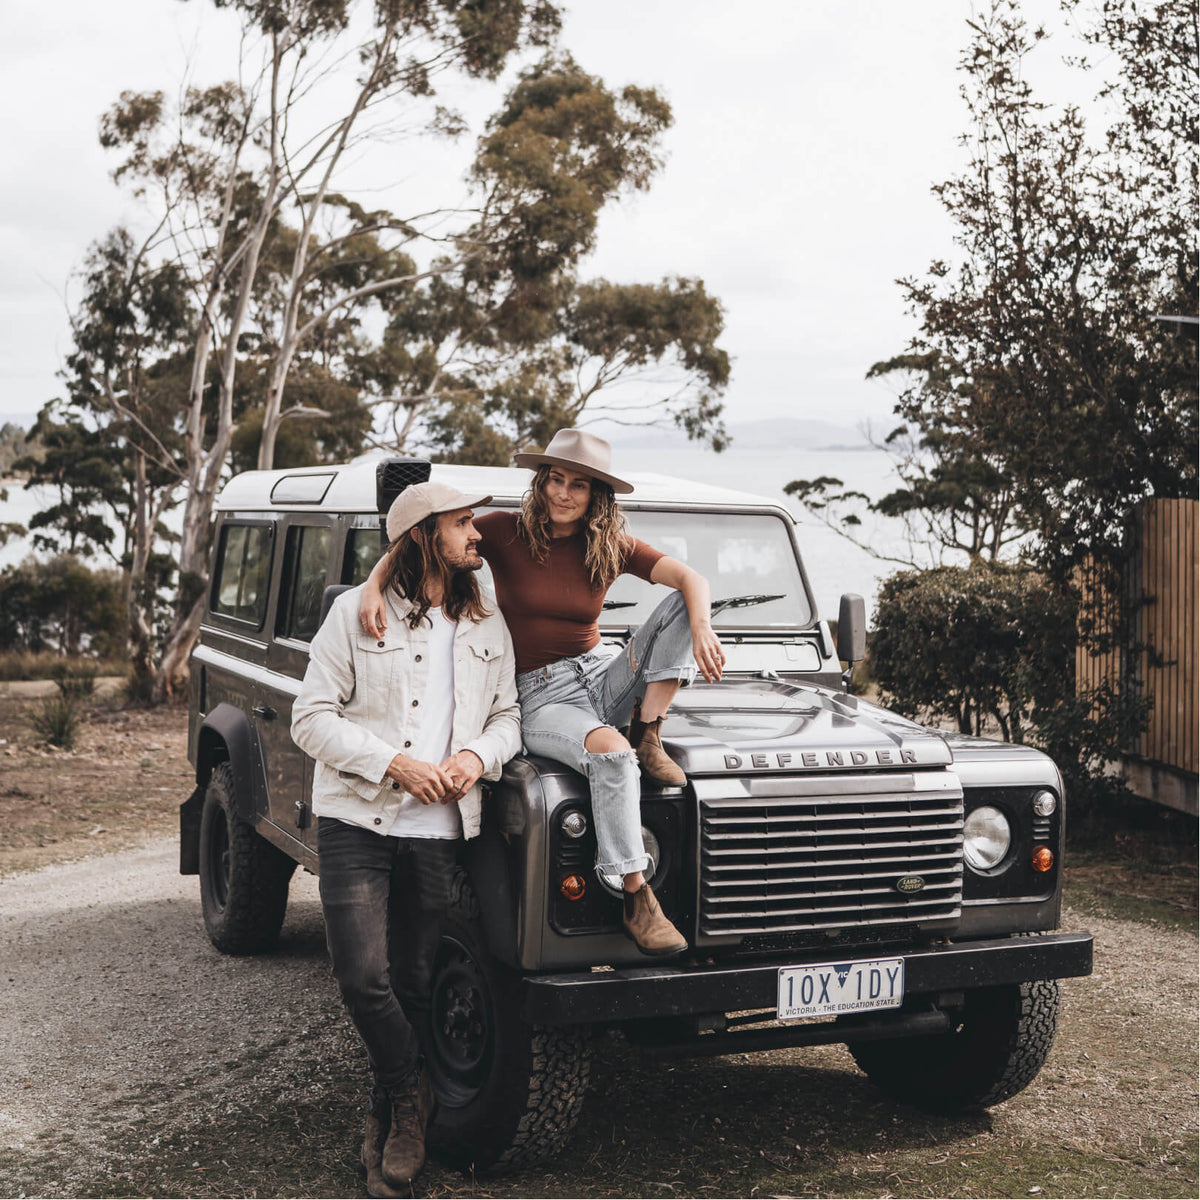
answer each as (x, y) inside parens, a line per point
(189, 832)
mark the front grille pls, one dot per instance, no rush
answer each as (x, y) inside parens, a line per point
(828, 860)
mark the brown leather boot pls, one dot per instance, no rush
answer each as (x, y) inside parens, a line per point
(371, 1158)
(404, 1150)
(645, 923)
(645, 737)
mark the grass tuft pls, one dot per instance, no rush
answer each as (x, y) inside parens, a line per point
(75, 681)
(56, 720)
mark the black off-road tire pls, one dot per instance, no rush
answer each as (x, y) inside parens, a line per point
(993, 1051)
(243, 878)
(509, 1093)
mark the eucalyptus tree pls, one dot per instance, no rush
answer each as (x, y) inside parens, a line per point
(499, 349)
(1041, 396)
(491, 340)
(217, 169)
(1042, 393)
(127, 386)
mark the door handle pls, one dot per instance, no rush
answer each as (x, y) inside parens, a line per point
(265, 711)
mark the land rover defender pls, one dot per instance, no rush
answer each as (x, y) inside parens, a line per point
(841, 873)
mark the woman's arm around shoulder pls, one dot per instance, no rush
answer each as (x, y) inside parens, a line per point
(372, 612)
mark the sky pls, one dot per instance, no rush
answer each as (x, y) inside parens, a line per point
(797, 181)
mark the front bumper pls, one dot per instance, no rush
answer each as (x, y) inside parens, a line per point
(637, 993)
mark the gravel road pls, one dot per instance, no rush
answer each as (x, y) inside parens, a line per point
(114, 1005)
(137, 1059)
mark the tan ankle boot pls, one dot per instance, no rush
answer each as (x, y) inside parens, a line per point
(646, 739)
(404, 1150)
(645, 923)
(371, 1158)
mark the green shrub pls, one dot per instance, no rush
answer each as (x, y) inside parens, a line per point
(61, 605)
(996, 641)
(56, 720)
(969, 643)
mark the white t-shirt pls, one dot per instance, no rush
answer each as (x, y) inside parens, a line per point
(432, 743)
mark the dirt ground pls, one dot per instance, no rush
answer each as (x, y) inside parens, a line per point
(139, 1061)
(123, 782)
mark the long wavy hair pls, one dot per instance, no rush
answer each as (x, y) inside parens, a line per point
(603, 525)
(410, 561)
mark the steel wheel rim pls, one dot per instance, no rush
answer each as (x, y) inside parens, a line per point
(463, 1025)
(219, 860)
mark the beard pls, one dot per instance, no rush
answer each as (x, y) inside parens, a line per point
(465, 560)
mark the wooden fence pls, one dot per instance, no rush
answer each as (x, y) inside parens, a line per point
(1160, 662)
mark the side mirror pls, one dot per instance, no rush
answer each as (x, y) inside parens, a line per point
(852, 629)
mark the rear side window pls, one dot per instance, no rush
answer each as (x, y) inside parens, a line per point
(243, 572)
(363, 548)
(305, 562)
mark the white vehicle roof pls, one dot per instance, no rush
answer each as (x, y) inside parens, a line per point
(351, 488)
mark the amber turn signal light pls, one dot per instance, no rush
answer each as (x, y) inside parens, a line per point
(572, 887)
(1043, 858)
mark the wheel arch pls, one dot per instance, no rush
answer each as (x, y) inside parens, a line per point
(487, 862)
(225, 735)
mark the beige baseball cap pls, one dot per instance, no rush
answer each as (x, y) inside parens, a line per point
(420, 500)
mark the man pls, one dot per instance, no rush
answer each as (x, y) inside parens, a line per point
(402, 727)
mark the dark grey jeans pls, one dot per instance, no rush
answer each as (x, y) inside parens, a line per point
(383, 899)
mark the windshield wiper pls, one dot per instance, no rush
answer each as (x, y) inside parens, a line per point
(718, 605)
(746, 601)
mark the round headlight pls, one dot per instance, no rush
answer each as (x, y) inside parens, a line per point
(986, 838)
(1044, 803)
(573, 823)
(653, 852)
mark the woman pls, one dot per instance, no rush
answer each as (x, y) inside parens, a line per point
(552, 565)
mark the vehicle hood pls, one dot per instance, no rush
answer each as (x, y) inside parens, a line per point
(768, 725)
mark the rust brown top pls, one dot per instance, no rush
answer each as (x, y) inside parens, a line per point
(551, 608)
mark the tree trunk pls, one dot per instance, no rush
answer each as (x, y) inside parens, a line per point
(288, 340)
(140, 632)
(205, 466)
(171, 681)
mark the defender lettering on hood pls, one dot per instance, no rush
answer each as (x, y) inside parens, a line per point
(785, 761)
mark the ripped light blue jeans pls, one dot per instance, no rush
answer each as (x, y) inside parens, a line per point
(563, 702)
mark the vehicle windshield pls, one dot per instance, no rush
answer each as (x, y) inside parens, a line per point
(747, 558)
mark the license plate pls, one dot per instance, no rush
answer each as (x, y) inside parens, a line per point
(831, 989)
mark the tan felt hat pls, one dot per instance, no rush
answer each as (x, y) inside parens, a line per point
(420, 500)
(577, 451)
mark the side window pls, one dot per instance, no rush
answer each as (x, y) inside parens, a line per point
(363, 548)
(242, 572)
(305, 562)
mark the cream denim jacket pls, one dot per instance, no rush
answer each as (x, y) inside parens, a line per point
(359, 707)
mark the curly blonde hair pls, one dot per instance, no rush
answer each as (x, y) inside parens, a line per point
(604, 528)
